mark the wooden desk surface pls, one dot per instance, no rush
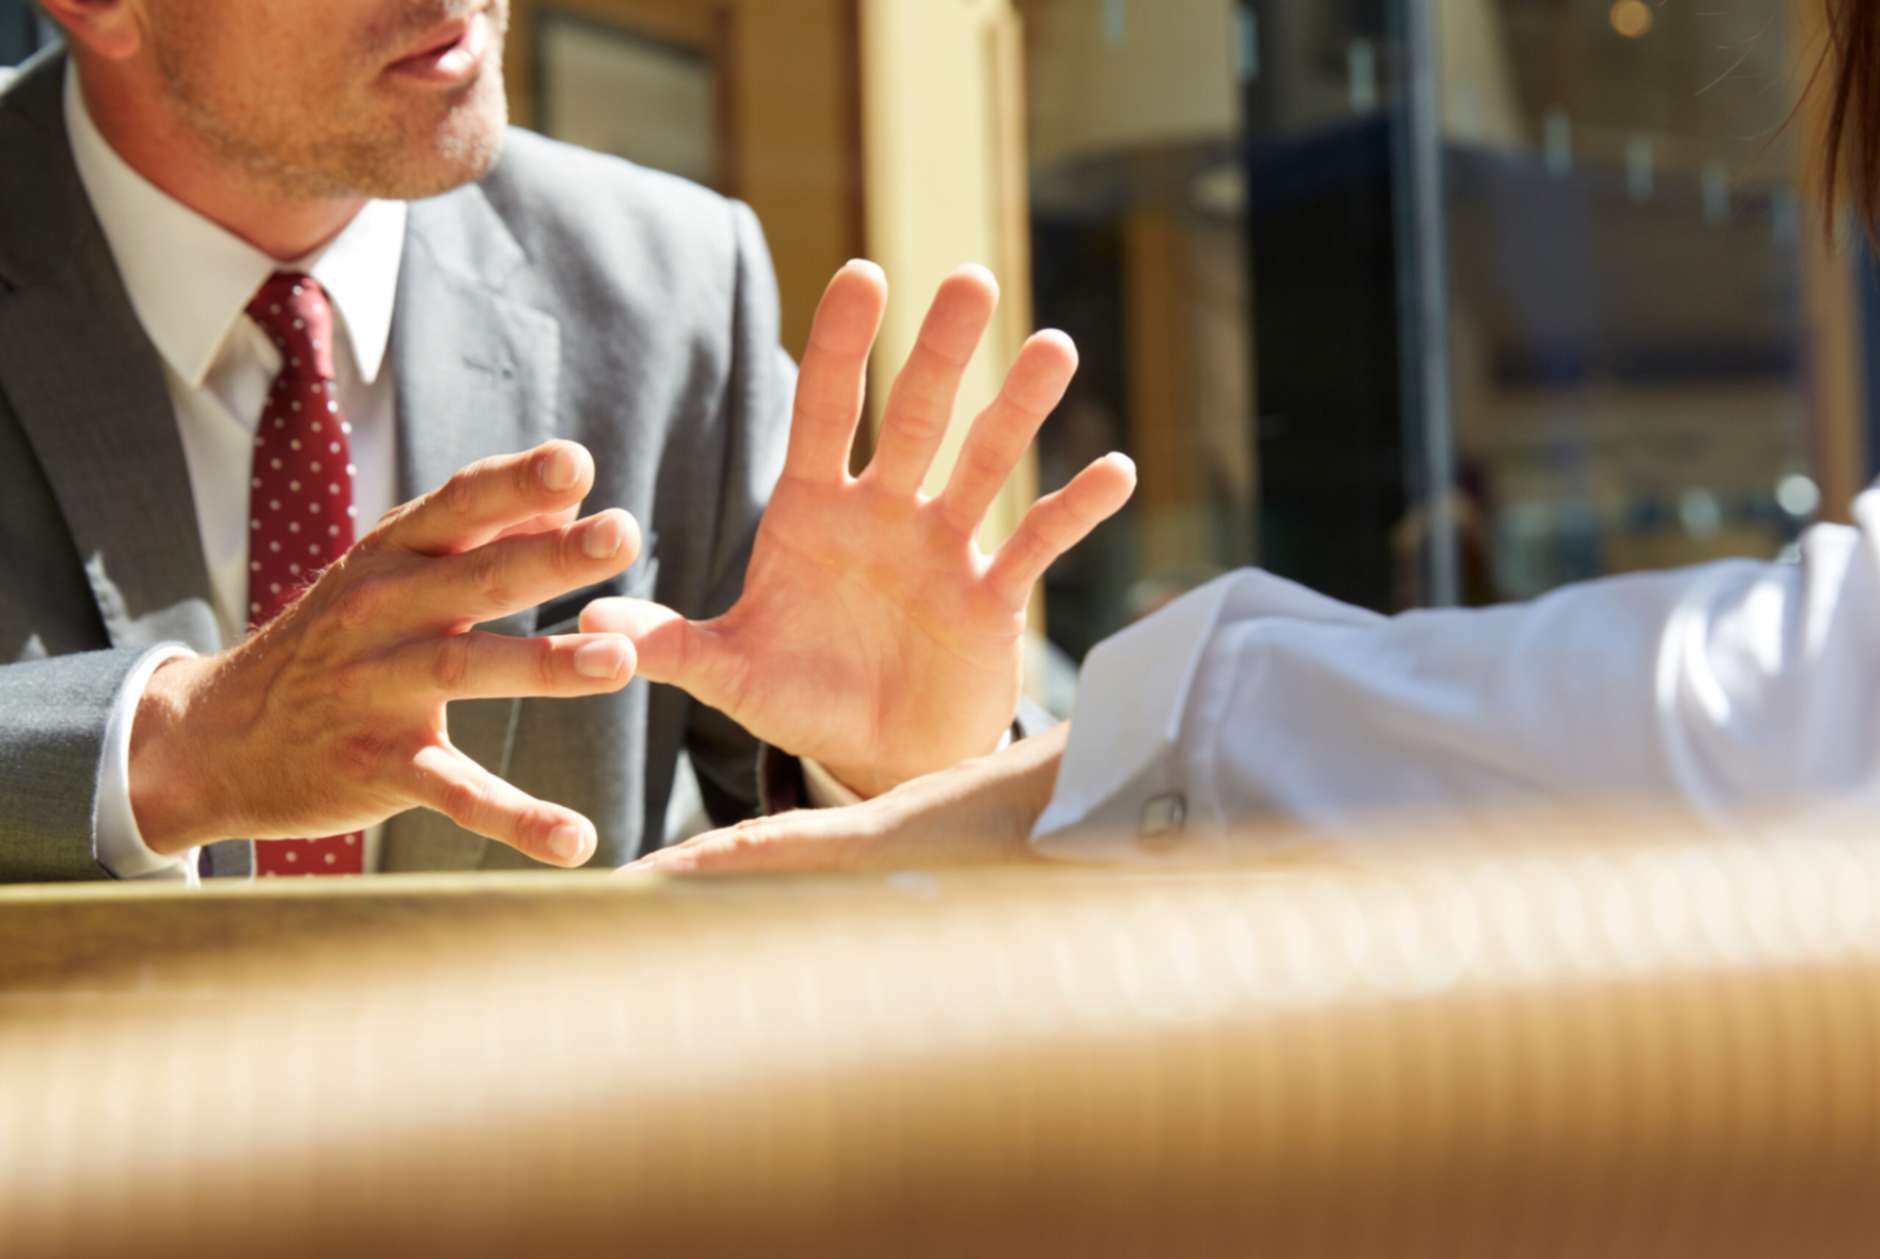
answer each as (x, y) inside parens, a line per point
(1662, 1048)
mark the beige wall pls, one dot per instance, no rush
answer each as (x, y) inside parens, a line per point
(945, 179)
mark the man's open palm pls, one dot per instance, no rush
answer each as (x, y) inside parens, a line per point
(873, 635)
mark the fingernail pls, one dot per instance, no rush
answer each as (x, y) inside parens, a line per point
(568, 843)
(603, 538)
(558, 470)
(1120, 460)
(603, 659)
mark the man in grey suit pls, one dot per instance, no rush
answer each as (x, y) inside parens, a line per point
(616, 327)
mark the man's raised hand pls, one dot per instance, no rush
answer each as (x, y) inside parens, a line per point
(332, 717)
(872, 634)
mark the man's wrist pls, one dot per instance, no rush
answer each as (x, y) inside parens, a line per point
(164, 800)
(118, 845)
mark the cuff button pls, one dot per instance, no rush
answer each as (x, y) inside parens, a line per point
(1164, 816)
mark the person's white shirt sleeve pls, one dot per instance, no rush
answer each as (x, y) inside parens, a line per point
(120, 845)
(1722, 689)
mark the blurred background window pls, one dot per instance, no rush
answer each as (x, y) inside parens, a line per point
(1628, 332)
(608, 89)
(1426, 302)
(22, 30)
(1415, 301)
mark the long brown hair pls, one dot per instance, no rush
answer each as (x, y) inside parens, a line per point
(1853, 119)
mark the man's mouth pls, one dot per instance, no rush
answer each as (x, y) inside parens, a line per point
(449, 53)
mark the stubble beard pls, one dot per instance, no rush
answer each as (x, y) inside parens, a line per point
(309, 154)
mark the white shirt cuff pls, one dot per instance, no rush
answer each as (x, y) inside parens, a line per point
(1125, 731)
(118, 843)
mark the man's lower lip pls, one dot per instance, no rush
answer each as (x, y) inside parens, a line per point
(453, 63)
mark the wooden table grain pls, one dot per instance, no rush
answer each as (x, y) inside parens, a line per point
(1664, 1046)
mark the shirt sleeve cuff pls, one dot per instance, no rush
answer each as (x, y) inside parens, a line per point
(1135, 783)
(1121, 779)
(119, 845)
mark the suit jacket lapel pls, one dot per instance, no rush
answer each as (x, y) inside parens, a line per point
(88, 387)
(476, 375)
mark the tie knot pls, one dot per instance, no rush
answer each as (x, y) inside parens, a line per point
(292, 309)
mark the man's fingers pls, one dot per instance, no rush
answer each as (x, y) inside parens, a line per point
(658, 633)
(542, 524)
(520, 572)
(1058, 522)
(498, 666)
(446, 780)
(493, 495)
(1004, 431)
(921, 403)
(834, 373)
(686, 654)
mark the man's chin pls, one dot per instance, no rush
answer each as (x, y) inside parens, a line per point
(440, 153)
(460, 162)
(455, 156)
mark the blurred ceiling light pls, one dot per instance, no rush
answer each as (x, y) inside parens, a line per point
(1632, 18)
(1798, 494)
(1700, 512)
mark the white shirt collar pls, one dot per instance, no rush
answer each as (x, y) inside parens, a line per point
(190, 279)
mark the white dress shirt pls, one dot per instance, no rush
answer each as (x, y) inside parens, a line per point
(1724, 690)
(189, 283)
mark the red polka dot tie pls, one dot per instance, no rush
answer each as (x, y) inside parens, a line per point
(300, 503)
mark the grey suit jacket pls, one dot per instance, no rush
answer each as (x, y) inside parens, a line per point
(566, 294)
